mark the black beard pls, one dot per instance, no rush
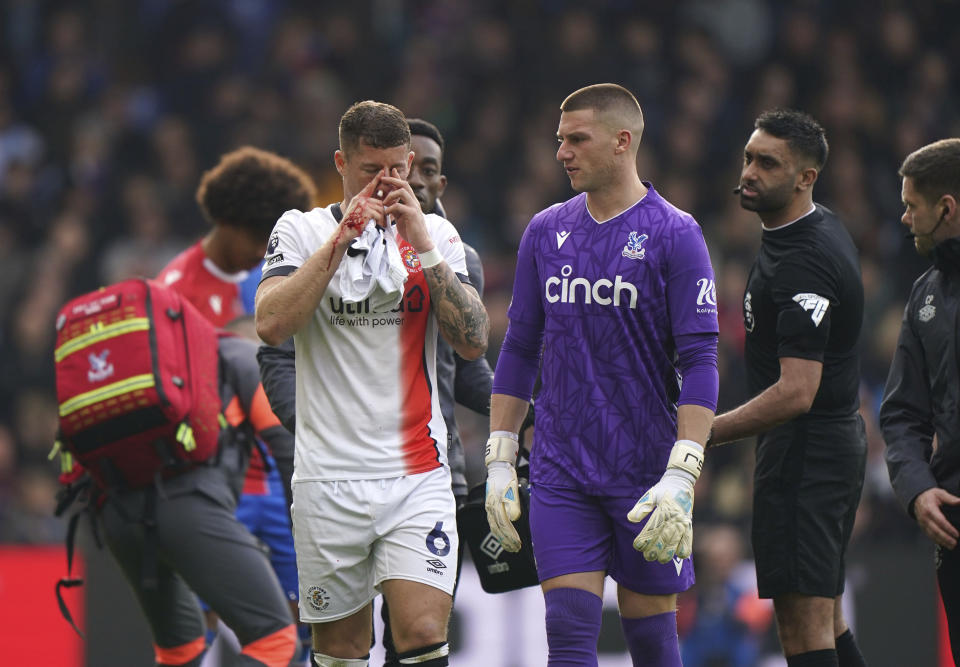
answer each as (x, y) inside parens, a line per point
(765, 202)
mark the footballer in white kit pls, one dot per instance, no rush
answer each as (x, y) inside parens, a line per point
(370, 439)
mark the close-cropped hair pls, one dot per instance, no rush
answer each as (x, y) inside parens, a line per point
(424, 128)
(250, 188)
(602, 97)
(606, 98)
(376, 124)
(803, 134)
(934, 169)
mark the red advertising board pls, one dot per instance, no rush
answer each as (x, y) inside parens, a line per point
(32, 630)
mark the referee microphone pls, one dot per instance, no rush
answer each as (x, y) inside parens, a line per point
(737, 190)
(911, 235)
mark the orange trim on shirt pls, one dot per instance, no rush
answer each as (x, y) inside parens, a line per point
(419, 447)
(261, 416)
(275, 650)
(179, 655)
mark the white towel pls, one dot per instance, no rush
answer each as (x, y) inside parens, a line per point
(372, 269)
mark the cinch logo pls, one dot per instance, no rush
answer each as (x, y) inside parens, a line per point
(581, 290)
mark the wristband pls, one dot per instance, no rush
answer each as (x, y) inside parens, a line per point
(430, 258)
(501, 446)
(687, 455)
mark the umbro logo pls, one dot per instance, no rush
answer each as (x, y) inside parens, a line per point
(562, 238)
(491, 546)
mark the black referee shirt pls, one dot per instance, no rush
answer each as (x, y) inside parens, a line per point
(804, 298)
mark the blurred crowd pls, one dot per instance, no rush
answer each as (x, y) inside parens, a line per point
(110, 110)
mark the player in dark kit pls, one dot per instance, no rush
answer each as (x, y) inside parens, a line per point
(199, 546)
(802, 312)
(923, 390)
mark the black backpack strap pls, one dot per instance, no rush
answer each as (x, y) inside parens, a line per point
(68, 494)
(68, 581)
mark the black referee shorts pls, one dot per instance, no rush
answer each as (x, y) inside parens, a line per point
(807, 486)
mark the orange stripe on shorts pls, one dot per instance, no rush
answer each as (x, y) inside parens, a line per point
(274, 650)
(179, 655)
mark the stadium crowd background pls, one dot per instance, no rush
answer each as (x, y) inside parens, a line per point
(110, 110)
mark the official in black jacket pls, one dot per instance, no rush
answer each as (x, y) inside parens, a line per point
(920, 414)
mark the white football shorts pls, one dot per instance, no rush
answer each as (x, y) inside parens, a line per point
(352, 535)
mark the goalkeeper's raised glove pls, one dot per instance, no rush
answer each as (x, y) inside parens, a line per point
(503, 496)
(669, 532)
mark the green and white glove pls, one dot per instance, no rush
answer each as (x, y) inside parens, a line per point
(669, 532)
(503, 496)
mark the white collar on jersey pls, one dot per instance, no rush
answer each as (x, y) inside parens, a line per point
(237, 277)
(784, 226)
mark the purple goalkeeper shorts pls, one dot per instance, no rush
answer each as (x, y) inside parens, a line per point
(575, 532)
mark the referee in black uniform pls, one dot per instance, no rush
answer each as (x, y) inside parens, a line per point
(802, 312)
(923, 388)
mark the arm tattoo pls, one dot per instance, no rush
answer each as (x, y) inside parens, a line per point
(460, 313)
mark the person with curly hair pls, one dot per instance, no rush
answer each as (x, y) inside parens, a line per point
(242, 198)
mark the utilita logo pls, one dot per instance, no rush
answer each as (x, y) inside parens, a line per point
(580, 290)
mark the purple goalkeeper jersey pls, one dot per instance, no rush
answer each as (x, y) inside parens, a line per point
(609, 298)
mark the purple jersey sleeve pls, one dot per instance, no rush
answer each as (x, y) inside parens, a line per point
(519, 361)
(526, 305)
(691, 292)
(697, 359)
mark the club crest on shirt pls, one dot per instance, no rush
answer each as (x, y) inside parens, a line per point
(634, 248)
(410, 258)
(929, 311)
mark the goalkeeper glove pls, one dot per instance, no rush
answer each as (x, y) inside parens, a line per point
(669, 532)
(503, 496)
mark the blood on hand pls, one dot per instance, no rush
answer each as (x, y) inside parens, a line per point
(356, 220)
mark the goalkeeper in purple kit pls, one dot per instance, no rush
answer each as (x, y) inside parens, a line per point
(614, 296)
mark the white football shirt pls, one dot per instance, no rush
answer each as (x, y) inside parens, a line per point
(367, 401)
